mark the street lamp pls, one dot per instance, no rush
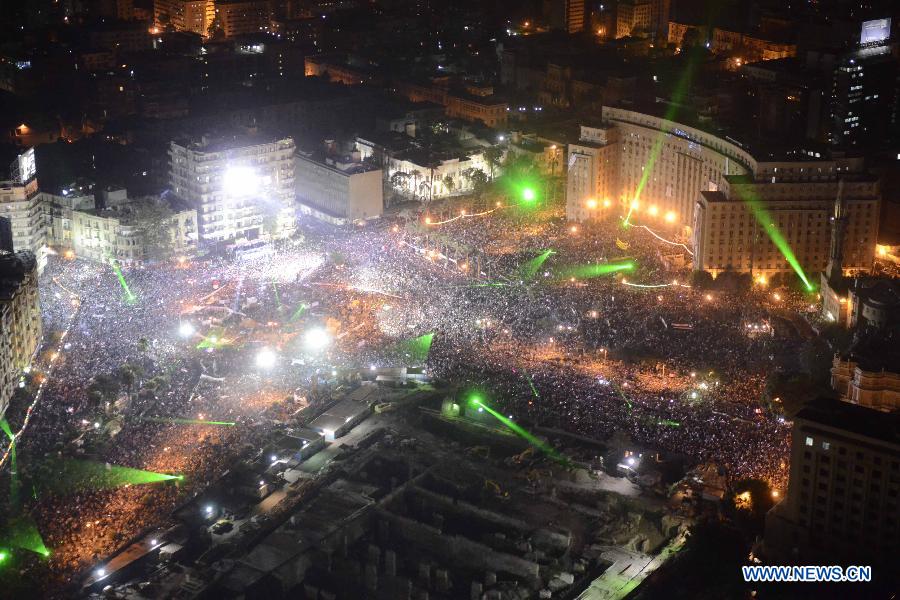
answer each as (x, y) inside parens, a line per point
(265, 359)
(316, 339)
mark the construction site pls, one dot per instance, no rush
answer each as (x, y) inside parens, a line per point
(409, 500)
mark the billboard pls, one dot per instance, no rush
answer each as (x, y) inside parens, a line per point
(24, 167)
(875, 31)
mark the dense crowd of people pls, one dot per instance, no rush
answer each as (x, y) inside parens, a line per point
(672, 367)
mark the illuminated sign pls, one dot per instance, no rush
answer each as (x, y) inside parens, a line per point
(875, 31)
(27, 166)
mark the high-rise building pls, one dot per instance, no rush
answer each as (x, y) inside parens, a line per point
(863, 89)
(659, 165)
(715, 194)
(242, 17)
(20, 319)
(843, 497)
(797, 198)
(241, 185)
(634, 17)
(565, 15)
(195, 16)
(20, 203)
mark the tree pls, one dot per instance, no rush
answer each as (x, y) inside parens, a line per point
(425, 190)
(479, 180)
(399, 180)
(701, 280)
(492, 157)
(153, 222)
(449, 183)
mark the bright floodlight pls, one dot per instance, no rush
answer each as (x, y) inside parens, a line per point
(528, 194)
(186, 330)
(316, 339)
(265, 359)
(240, 181)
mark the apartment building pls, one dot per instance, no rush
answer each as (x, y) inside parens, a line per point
(20, 203)
(194, 16)
(844, 490)
(20, 319)
(241, 185)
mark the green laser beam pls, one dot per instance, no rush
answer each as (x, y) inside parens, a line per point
(215, 339)
(130, 298)
(624, 397)
(301, 309)
(531, 383)
(277, 297)
(590, 271)
(530, 269)
(767, 222)
(417, 348)
(177, 421)
(520, 431)
(22, 532)
(681, 88)
(4, 425)
(72, 475)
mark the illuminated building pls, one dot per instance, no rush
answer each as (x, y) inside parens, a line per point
(863, 88)
(20, 319)
(719, 190)
(420, 173)
(338, 191)
(242, 186)
(868, 374)
(241, 17)
(20, 202)
(799, 199)
(195, 16)
(565, 15)
(681, 160)
(844, 491)
(472, 104)
(632, 17)
(591, 175)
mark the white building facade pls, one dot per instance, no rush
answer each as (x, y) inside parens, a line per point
(338, 192)
(242, 187)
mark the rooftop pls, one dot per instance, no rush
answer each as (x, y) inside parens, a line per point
(853, 418)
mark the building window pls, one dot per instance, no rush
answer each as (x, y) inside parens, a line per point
(809, 441)
(826, 445)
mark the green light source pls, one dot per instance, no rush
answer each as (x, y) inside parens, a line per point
(591, 271)
(177, 421)
(70, 475)
(417, 348)
(130, 298)
(22, 532)
(530, 269)
(3, 556)
(519, 430)
(528, 195)
(767, 222)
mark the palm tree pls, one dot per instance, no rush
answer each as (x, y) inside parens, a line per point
(415, 177)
